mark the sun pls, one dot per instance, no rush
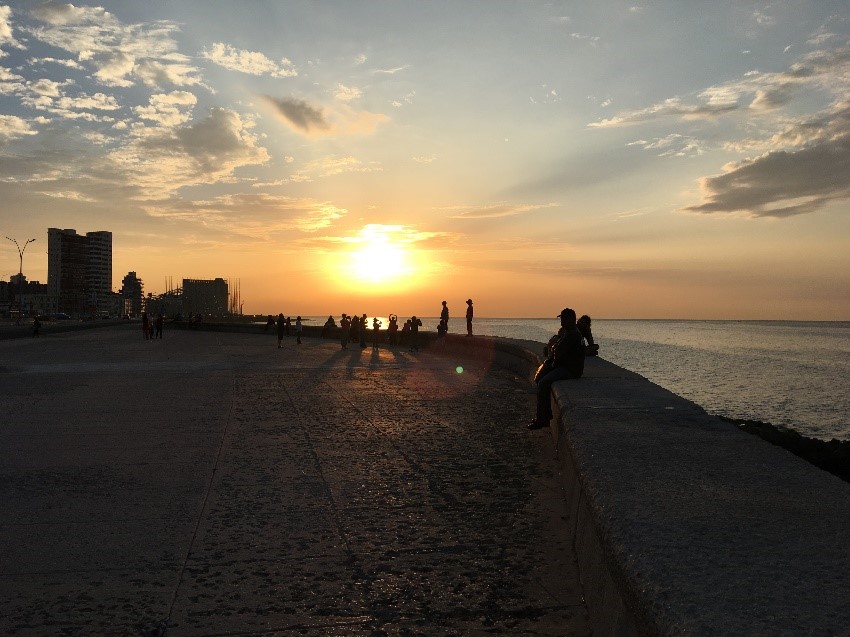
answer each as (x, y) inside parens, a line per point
(379, 258)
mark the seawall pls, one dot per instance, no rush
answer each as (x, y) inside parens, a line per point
(683, 524)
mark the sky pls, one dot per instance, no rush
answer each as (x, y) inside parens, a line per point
(654, 160)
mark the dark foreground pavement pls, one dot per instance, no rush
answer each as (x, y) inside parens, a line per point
(212, 484)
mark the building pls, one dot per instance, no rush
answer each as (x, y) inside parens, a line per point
(132, 295)
(205, 297)
(79, 271)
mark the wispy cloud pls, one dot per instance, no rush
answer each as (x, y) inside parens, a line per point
(256, 215)
(498, 210)
(250, 62)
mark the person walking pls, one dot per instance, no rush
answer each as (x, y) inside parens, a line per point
(469, 317)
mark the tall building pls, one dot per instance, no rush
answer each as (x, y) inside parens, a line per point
(132, 295)
(79, 270)
(99, 268)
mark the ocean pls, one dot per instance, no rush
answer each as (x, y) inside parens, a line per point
(790, 373)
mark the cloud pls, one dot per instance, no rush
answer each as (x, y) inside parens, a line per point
(332, 166)
(756, 92)
(781, 183)
(7, 38)
(299, 114)
(119, 53)
(314, 121)
(170, 109)
(12, 127)
(394, 70)
(255, 215)
(346, 93)
(672, 145)
(162, 160)
(499, 210)
(250, 62)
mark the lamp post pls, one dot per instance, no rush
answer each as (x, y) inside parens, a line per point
(20, 274)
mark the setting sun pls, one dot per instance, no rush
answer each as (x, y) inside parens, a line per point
(380, 258)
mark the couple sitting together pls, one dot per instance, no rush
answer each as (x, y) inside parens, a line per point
(565, 354)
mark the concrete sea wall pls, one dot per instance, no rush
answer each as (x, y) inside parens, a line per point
(684, 524)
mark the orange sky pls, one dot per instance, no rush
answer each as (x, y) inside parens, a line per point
(629, 161)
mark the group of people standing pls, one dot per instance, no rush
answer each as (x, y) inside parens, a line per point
(152, 328)
(355, 329)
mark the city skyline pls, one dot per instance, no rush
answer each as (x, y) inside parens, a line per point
(631, 161)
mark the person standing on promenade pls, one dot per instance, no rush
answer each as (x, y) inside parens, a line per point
(568, 362)
(146, 325)
(298, 328)
(415, 324)
(444, 315)
(281, 329)
(159, 321)
(36, 326)
(364, 324)
(392, 329)
(376, 326)
(344, 335)
(469, 317)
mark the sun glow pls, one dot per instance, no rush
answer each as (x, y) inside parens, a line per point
(380, 258)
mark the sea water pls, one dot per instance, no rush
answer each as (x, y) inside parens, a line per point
(790, 373)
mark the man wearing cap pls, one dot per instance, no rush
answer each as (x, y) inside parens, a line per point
(568, 352)
(469, 317)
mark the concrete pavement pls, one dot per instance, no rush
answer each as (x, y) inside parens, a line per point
(212, 484)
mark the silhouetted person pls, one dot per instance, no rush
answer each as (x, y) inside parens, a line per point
(355, 329)
(281, 329)
(269, 323)
(568, 362)
(469, 317)
(36, 327)
(444, 315)
(405, 333)
(159, 321)
(298, 328)
(583, 325)
(345, 327)
(287, 325)
(392, 329)
(376, 326)
(328, 326)
(415, 324)
(146, 325)
(363, 327)
(442, 329)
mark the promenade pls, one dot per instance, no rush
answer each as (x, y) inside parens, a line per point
(212, 484)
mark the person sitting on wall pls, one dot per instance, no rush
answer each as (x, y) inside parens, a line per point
(567, 362)
(590, 348)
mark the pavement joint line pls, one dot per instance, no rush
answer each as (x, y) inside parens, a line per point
(203, 508)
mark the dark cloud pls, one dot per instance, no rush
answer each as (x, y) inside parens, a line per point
(781, 183)
(299, 113)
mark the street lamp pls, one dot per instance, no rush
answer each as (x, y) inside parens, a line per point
(20, 275)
